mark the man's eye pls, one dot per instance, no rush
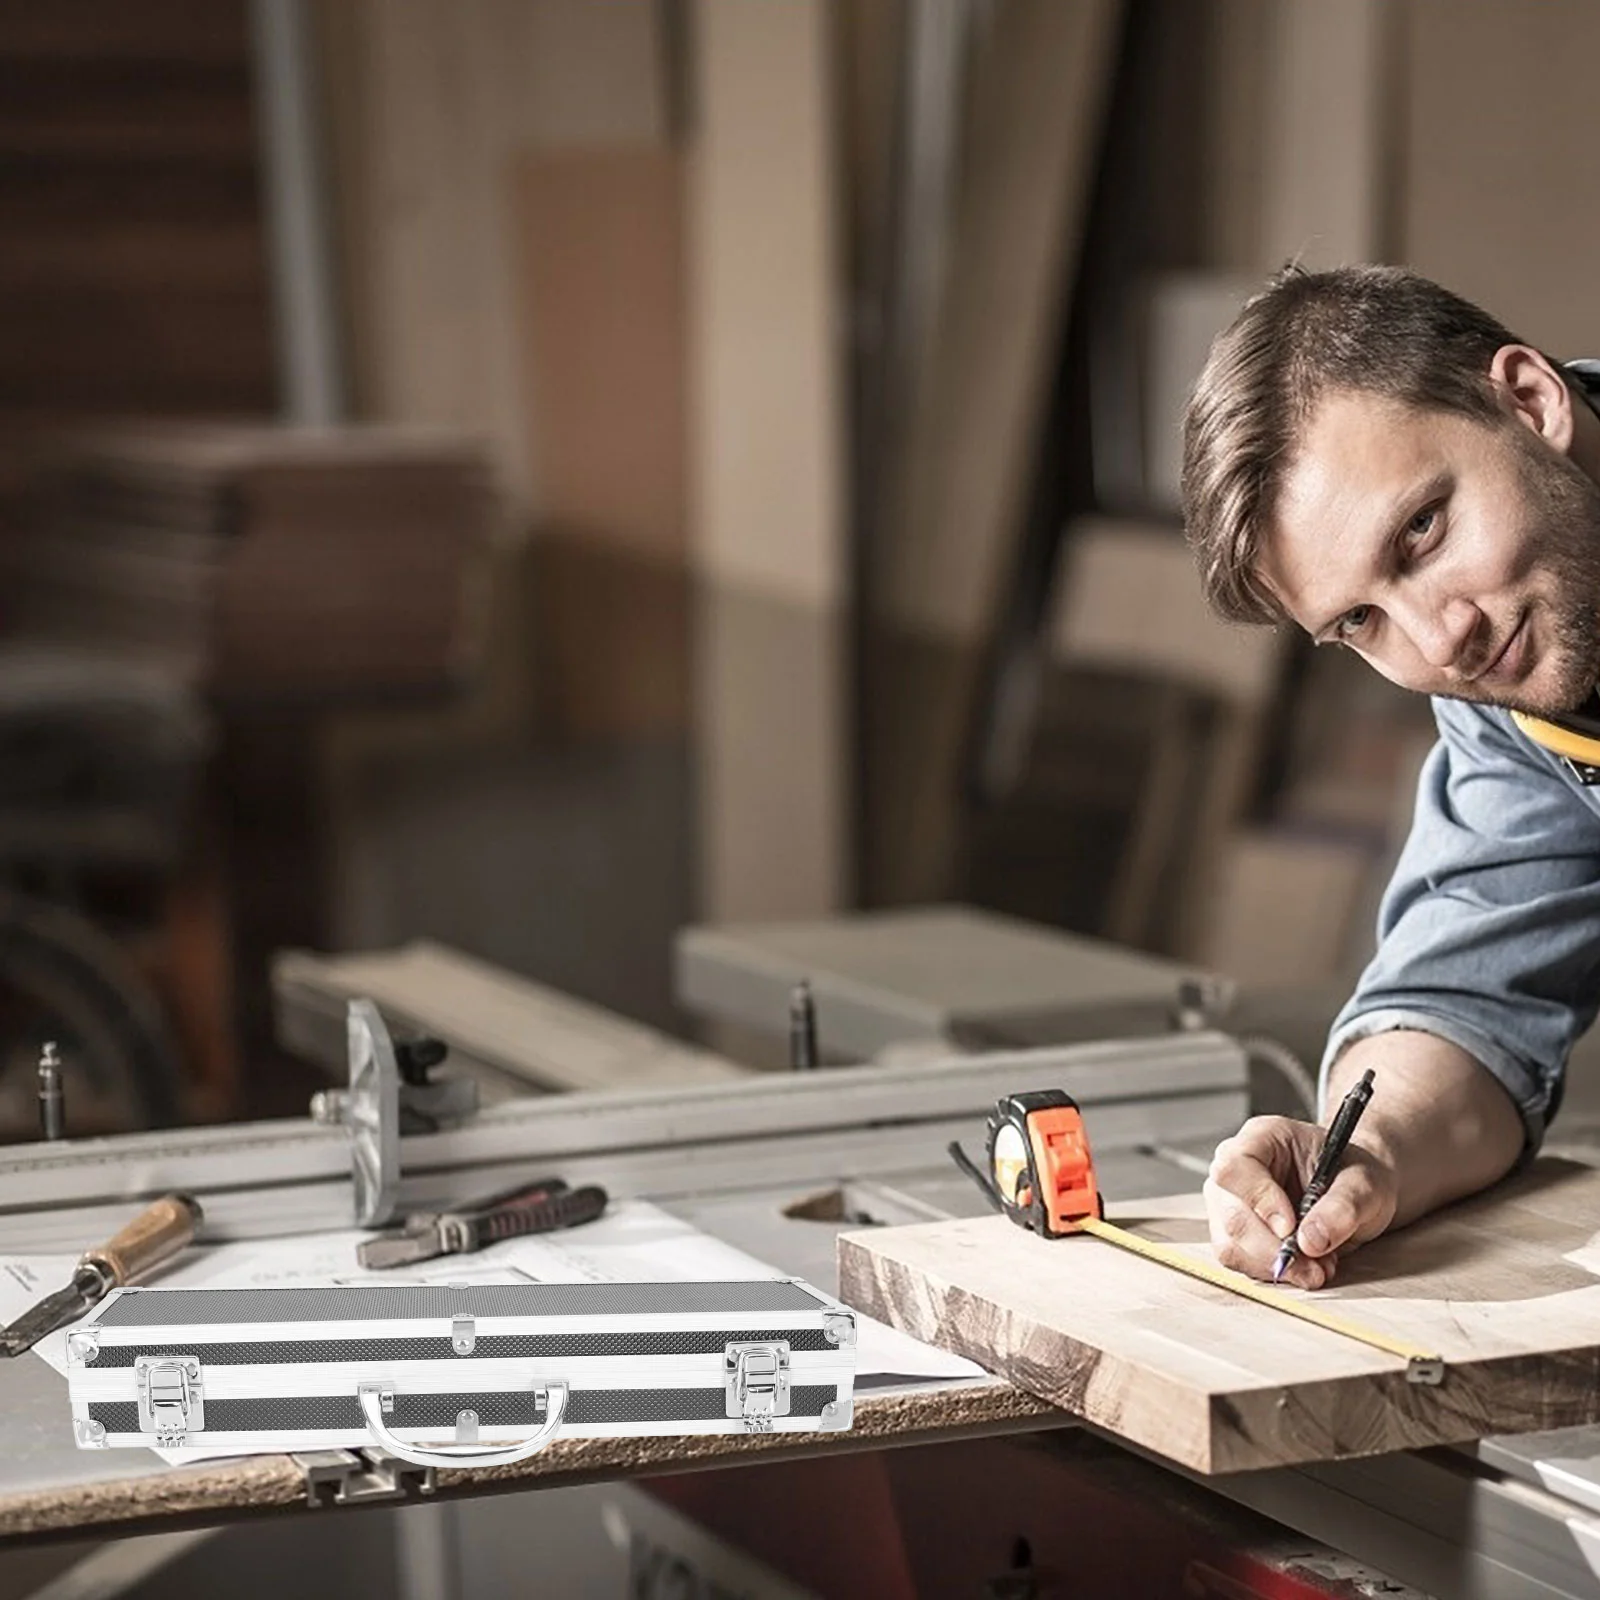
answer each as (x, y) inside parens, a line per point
(1352, 622)
(1421, 525)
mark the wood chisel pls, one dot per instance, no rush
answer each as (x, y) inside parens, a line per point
(1042, 1176)
(153, 1238)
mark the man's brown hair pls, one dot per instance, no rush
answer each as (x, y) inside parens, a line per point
(1378, 330)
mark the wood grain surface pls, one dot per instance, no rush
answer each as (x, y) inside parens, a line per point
(1505, 1287)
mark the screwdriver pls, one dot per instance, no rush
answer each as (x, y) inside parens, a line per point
(153, 1238)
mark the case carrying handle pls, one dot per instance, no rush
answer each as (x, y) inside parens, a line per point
(371, 1397)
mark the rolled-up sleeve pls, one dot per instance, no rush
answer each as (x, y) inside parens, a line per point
(1489, 931)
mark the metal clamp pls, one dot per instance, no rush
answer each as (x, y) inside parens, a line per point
(376, 1398)
(756, 1377)
(171, 1401)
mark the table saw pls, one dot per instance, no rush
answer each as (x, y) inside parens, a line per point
(777, 1164)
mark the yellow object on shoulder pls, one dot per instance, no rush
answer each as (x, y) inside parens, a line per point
(1566, 742)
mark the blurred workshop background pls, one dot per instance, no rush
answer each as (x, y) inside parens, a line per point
(534, 474)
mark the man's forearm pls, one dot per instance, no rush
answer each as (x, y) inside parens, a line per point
(1442, 1122)
(1439, 1126)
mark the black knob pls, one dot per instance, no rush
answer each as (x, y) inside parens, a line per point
(416, 1058)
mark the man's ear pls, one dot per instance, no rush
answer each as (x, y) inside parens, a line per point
(1535, 393)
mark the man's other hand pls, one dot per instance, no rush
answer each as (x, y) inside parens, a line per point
(1254, 1189)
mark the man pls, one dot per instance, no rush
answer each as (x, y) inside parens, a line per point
(1387, 466)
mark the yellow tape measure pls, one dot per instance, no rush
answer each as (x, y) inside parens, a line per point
(1421, 1365)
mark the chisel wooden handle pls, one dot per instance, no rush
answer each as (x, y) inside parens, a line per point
(157, 1234)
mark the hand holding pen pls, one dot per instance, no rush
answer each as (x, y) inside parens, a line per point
(1328, 1161)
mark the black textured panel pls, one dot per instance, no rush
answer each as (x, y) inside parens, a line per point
(263, 1415)
(490, 1347)
(172, 1307)
(118, 1416)
(439, 1411)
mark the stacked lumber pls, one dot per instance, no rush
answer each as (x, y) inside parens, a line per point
(268, 563)
(134, 267)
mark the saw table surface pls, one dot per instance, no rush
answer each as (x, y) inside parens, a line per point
(1505, 1287)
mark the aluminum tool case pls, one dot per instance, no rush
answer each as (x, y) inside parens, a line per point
(458, 1374)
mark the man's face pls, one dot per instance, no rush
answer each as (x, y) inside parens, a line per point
(1458, 558)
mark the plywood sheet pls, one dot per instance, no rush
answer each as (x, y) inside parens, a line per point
(1505, 1287)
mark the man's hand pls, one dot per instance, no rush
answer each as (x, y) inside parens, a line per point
(1438, 1127)
(1254, 1189)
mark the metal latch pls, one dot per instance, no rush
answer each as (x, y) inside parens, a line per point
(757, 1380)
(171, 1404)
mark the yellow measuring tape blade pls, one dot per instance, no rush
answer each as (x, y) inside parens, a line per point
(1426, 1367)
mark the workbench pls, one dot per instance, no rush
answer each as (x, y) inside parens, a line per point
(778, 1165)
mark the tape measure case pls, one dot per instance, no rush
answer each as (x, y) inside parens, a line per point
(458, 1374)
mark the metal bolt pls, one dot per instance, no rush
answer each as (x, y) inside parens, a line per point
(802, 1028)
(52, 1108)
(329, 1106)
(1202, 1000)
(831, 1409)
(91, 1435)
(82, 1347)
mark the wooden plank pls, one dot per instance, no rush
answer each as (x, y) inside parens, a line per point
(957, 479)
(1468, 51)
(1505, 1287)
(433, 106)
(601, 237)
(767, 528)
(184, 30)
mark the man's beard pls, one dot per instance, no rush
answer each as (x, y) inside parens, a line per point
(1564, 503)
